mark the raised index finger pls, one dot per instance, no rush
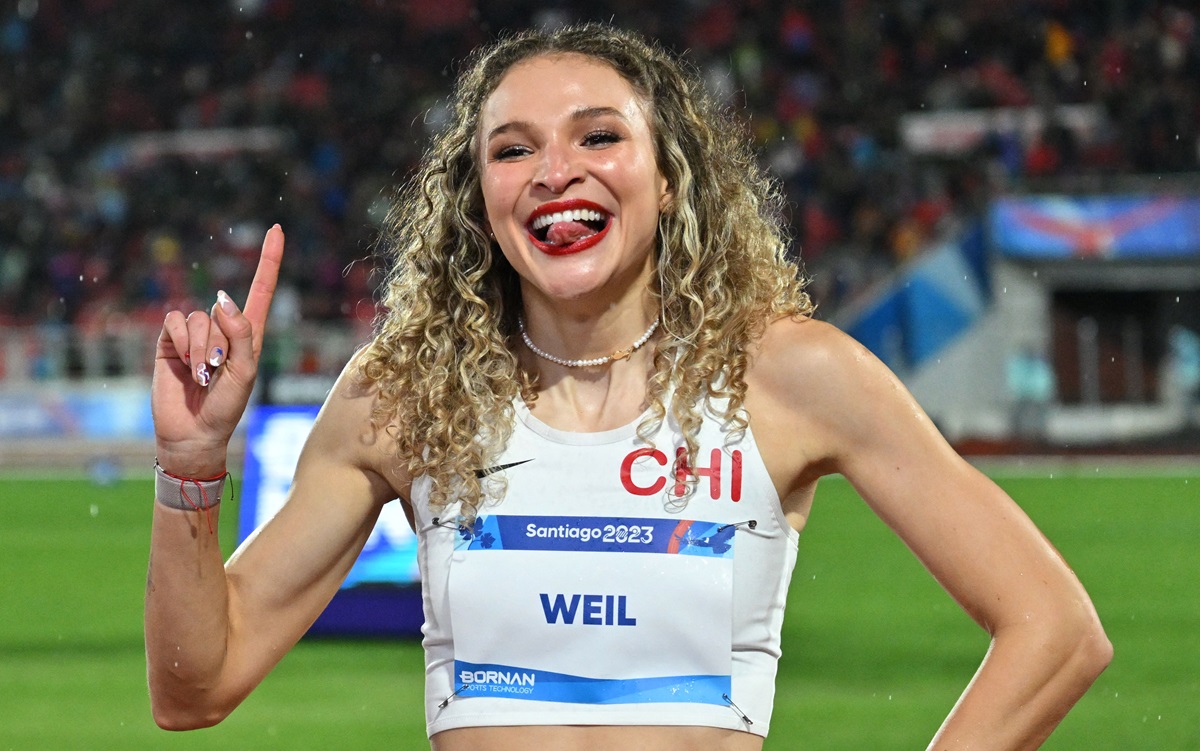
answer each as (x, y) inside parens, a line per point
(262, 289)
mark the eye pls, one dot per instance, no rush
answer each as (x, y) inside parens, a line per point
(600, 138)
(510, 152)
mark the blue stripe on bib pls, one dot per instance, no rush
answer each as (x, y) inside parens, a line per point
(600, 534)
(505, 681)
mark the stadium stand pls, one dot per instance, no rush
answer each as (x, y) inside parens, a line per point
(145, 146)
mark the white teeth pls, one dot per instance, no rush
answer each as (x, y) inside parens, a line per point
(575, 215)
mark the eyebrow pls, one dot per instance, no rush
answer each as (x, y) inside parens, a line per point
(583, 113)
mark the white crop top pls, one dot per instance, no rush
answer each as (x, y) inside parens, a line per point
(591, 595)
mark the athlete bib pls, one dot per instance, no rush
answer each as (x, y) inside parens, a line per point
(518, 584)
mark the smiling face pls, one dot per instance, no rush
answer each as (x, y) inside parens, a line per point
(570, 184)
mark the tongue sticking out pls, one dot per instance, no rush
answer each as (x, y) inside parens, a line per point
(565, 233)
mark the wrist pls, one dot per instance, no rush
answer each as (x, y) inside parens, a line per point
(192, 463)
(188, 493)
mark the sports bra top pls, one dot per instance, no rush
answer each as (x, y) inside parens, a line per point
(598, 592)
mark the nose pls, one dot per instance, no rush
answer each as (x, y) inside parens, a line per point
(559, 169)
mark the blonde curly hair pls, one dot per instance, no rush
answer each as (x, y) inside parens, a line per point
(443, 362)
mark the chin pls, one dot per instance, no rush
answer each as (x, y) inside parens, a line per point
(568, 292)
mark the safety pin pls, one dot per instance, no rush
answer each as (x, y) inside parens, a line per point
(451, 696)
(439, 522)
(751, 523)
(737, 709)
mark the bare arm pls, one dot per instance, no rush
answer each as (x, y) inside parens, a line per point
(214, 630)
(1047, 642)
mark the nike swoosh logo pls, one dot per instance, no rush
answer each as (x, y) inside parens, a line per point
(481, 473)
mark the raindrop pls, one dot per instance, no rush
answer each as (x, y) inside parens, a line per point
(94, 510)
(249, 34)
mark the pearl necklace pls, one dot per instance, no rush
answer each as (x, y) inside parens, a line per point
(620, 354)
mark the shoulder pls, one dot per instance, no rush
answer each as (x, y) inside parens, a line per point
(810, 378)
(804, 359)
(801, 342)
(347, 433)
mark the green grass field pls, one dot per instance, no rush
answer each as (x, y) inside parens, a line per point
(874, 653)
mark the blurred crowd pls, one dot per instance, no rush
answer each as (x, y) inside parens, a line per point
(146, 145)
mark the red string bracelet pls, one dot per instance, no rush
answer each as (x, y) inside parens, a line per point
(172, 491)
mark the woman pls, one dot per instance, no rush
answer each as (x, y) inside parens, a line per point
(601, 398)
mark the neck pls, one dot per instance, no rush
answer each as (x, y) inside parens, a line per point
(615, 335)
(589, 398)
(591, 362)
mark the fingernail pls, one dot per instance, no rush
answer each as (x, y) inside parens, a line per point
(216, 357)
(225, 303)
(202, 374)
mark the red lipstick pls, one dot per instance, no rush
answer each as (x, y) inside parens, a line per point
(572, 204)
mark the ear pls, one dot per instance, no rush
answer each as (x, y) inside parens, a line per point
(666, 196)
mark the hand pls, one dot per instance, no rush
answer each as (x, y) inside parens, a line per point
(205, 366)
